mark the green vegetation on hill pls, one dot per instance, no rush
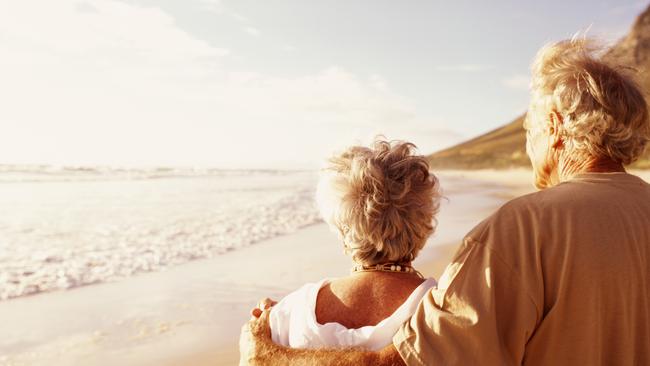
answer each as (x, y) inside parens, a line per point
(505, 147)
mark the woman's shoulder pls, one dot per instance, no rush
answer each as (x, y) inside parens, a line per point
(300, 296)
(368, 301)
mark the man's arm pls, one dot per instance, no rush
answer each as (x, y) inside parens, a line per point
(257, 348)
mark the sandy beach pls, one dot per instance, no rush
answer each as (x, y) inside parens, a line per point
(191, 314)
(160, 163)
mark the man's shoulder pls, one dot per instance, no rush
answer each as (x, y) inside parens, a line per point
(521, 215)
(540, 199)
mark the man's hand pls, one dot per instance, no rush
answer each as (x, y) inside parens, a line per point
(255, 338)
(262, 305)
(255, 343)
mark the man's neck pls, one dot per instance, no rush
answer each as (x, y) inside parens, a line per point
(568, 169)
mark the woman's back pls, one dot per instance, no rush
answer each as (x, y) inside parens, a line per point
(364, 299)
(363, 310)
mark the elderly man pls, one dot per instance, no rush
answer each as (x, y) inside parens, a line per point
(558, 277)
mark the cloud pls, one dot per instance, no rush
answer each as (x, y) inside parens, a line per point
(378, 82)
(84, 7)
(289, 48)
(238, 17)
(217, 7)
(464, 68)
(124, 84)
(517, 82)
(213, 6)
(252, 31)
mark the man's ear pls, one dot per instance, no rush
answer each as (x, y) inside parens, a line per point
(555, 122)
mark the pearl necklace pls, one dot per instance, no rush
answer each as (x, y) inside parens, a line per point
(387, 267)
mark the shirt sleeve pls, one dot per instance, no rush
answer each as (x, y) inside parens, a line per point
(480, 314)
(279, 321)
(281, 315)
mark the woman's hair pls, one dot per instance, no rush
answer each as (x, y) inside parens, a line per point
(382, 200)
(603, 110)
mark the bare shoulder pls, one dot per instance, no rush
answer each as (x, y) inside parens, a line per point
(361, 300)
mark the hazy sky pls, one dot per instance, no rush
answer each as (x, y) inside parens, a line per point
(241, 84)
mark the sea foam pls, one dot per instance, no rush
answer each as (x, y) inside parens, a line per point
(61, 233)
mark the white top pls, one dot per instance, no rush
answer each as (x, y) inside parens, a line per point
(293, 322)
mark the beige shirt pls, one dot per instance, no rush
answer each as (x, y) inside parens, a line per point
(557, 277)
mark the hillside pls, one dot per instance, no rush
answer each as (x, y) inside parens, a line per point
(505, 147)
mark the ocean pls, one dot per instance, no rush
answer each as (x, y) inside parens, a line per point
(62, 228)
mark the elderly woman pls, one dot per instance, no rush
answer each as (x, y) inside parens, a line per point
(382, 201)
(557, 277)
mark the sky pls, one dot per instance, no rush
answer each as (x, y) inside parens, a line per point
(268, 84)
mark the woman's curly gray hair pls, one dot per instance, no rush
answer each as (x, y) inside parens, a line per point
(603, 109)
(382, 200)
